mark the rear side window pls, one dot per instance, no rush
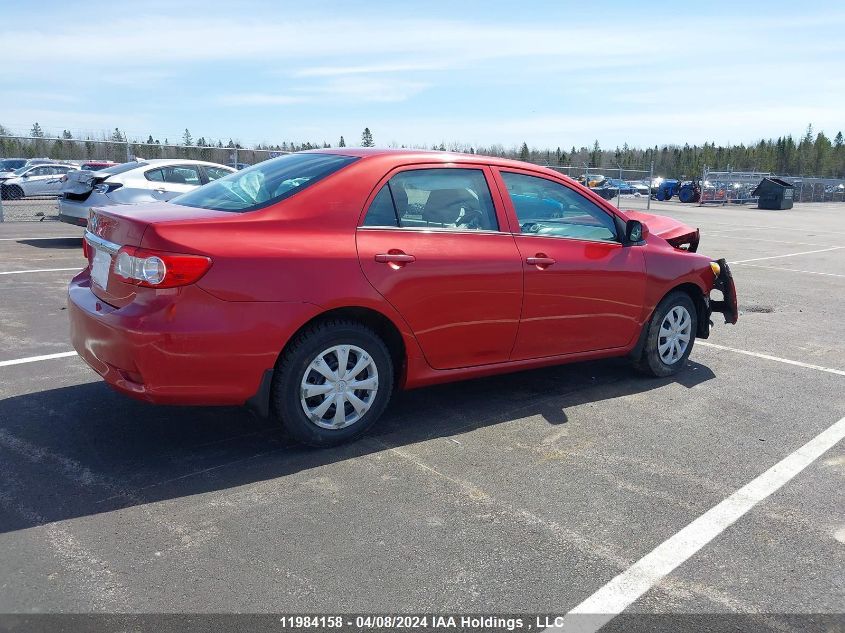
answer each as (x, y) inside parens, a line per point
(182, 175)
(440, 198)
(216, 173)
(264, 184)
(156, 175)
(547, 208)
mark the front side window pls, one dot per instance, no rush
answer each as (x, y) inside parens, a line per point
(545, 207)
(264, 184)
(441, 198)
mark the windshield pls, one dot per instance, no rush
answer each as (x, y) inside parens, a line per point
(9, 164)
(265, 183)
(22, 170)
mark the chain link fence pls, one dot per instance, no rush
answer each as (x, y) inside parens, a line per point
(628, 187)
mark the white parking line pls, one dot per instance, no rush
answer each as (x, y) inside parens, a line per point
(718, 233)
(33, 359)
(38, 270)
(793, 270)
(627, 587)
(787, 361)
(58, 237)
(757, 259)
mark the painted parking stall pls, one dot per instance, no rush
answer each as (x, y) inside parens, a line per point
(533, 491)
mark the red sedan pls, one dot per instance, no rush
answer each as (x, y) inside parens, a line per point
(313, 285)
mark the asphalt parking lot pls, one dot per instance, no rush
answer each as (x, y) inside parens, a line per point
(521, 493)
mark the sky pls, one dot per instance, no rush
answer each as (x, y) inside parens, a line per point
(420, 73)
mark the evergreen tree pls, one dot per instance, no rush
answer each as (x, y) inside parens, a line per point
(67, 135)
(117, 136)
(596, 155)
(36, 131)
(186, 138)
(367, 138)
(342, 143)
(150, 140)
(524, 153)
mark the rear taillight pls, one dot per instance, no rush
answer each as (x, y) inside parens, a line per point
(107, 187)
(85, 247)
(157, 269)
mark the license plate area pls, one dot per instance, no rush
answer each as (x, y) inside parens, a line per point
(100, 268)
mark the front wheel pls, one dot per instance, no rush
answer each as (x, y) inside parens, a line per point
(332, 383)
(670, 337)
(13, 192)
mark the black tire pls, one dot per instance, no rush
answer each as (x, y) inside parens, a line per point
(650, 361)
(291, 369)
(12, 192)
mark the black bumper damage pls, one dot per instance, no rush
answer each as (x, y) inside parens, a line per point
(725, 284)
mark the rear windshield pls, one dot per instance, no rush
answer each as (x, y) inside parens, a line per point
(123, 167)
(10, 163)
(265, 183)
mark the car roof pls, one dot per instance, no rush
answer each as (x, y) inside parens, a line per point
(431, 156)
(178, 161)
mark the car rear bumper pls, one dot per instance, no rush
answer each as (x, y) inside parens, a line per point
(73, 212)
(182, 346)
(724, 283)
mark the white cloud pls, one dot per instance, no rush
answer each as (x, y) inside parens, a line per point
(337, 90)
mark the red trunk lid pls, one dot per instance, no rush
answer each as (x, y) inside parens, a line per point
(110, 228)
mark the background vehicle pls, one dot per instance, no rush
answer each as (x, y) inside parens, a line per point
(666, 189)
(11, 164)
(96, 165)
(689, 191)
(591, 180)
(640, 187)
(33, 180)
(313, 284)
(612, 187)
(132, 183)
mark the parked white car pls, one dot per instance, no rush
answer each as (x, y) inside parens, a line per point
(133, 183)
(34, 180)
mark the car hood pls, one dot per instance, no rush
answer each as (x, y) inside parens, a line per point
(677, 233)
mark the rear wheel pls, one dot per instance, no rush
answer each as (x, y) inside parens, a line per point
(671, 334)
(332, 383)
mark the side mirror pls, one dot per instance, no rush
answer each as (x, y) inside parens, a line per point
(635, 232)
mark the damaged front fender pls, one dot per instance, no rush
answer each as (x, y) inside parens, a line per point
(725, 284)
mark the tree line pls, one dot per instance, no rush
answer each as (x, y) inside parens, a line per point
(814, 154)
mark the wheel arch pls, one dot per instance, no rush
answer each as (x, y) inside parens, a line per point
(702, 311)
(701, 308)
(381, 324)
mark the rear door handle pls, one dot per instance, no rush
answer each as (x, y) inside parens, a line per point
(540, 260)
(395, 258)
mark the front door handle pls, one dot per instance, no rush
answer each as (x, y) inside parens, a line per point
(540, 260)
(396, 257)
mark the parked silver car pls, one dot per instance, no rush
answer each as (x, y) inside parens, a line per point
(34, 180)
(11, 164)
(131, 183)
